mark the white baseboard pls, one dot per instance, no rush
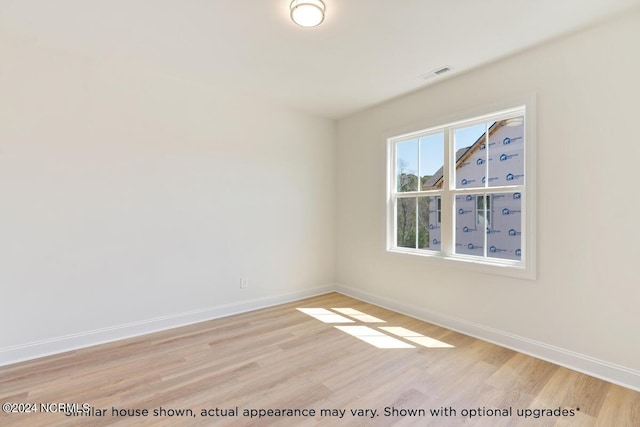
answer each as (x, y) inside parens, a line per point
(33, 350)
(616, 374)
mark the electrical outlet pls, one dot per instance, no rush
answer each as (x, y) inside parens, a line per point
(244, 282)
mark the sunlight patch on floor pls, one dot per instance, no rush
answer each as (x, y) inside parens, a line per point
(358, 315)
(377, 337)
(415, 337)
(325, 315)
(373, 337)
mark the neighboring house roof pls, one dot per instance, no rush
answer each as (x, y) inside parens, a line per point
(462, 155)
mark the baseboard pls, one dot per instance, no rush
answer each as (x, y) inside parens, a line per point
(616, 374)
(33, 350)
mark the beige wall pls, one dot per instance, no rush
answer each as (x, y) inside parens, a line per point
(585, 299)
(128, 194)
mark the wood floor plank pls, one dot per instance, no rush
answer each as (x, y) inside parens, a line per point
(282, 358)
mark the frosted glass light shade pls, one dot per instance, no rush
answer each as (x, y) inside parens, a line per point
(307, 13)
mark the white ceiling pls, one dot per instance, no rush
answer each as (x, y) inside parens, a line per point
(365, 52)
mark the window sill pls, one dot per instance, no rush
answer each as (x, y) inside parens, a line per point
(483, 265)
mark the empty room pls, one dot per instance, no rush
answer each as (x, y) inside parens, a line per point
(336, 212)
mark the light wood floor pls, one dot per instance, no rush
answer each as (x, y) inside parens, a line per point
(282, 358)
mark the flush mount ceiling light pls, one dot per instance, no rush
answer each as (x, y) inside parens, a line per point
(307, 13)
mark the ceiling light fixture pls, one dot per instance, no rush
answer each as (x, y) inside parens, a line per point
(307, 13)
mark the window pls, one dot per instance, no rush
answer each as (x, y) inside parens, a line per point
(463, 192)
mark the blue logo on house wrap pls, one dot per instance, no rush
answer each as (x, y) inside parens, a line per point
(514, 232)
(431, 227)
(480, 162)
(518, 252)
(491, 231)
(516, 195)
(472, 247)
(466, 181)
(507, 211)
(494, 249)
(463, 211)
(504, 156)
(435, 241)
(511, 176)
(483, 147)
(506, 141)
(469, 198)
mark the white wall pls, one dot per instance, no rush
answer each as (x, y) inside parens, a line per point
(585, 299)
(129, 194)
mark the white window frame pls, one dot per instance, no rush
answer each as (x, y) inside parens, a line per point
(523, 268)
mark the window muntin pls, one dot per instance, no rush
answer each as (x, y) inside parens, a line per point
(469, 204)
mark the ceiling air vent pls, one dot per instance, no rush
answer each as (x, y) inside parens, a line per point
(435, 73)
